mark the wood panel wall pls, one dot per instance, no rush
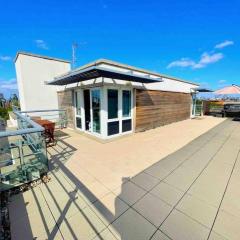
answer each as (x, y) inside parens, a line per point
(157, 108)
(65, 101)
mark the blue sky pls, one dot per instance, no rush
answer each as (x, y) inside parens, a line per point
(193, 40)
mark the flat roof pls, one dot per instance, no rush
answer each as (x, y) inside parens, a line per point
(119, 65)
(132, 68)
(40, 56)
(92, 72)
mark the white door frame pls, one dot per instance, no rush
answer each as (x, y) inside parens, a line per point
(193, 104)
(79, 96)
(120, 118)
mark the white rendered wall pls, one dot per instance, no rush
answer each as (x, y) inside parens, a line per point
(167, 84)
(32, 73)
(171, 85)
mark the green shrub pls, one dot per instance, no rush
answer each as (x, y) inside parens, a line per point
(4, 113)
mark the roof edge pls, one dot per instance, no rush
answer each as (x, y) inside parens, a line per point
(129, 67)
(39, 56)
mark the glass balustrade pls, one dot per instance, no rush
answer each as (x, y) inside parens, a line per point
(23, 154)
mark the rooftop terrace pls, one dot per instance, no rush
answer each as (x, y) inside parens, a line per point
(174, 182)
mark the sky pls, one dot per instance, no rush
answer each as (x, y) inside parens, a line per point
(194, 40)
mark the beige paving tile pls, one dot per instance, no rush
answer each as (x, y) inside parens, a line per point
(30, 202)
(167, 193)
(98, 189)
(178, 227)
(145, 181)
(182, 178)
(129, 192)
(157, 171)
(227, 225)
(105, 235)
(87, 195)
(230, 202)
(215, 236)
(132, 225)
(62, 204)
(198, 210)
(83, 176)
(109, 208)
(112, 180)
(173, 160)
(31, 217)
(152, 208)
(160, 236)
(57, 236)
(58, 183)
(209, 189)
(85, 225)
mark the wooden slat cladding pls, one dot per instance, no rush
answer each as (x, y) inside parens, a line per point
(65, 101)
(157, 108)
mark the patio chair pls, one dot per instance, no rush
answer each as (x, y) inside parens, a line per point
(49, 134)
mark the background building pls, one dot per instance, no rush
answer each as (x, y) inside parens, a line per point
(32, 72)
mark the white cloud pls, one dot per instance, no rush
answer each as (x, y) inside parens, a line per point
(222, 81)
(9, 85)
(41, 44)
(5, 58)
(183, 62)
(205, 59)
(204, 85)
(224, 44)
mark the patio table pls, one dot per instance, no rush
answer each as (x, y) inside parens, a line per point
(49, 129)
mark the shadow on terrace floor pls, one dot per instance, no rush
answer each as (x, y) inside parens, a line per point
(68, 209)
(46, 211)
(80, 198)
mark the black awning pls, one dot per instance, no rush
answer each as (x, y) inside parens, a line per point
(202, 90)
(96, 71)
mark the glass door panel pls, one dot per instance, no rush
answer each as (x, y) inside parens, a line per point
(96, 99)
(194, 99)
(78, 110)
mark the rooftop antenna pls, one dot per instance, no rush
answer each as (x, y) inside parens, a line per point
(74, 56)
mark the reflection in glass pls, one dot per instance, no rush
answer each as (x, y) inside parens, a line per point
(112, 103)
(96, 110)
(126, 103)
(77, 99)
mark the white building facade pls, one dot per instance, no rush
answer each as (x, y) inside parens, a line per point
(32, 72)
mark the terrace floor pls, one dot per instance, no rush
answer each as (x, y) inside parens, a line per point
(180, 181)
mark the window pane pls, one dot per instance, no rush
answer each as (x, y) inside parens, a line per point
(126, 125)
(113, 128)
(78, 122)
(126, 103)
(112, 103)
(96, 110)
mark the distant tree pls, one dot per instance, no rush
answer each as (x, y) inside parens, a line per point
(14, 100)
(4, 113)
(2, 101)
